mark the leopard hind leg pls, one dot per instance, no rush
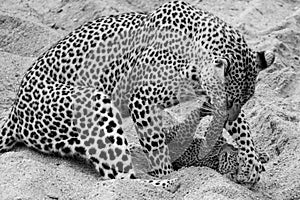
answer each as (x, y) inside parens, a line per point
(113, 158)
(109, 151)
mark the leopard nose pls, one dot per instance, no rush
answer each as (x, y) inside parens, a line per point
(234, 112)
(229, 104)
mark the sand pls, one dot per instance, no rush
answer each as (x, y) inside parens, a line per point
(29, 27)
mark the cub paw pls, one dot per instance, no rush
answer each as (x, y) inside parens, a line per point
(171, 185)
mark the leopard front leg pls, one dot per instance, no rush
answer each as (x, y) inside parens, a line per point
(250, 165)
(148, 125)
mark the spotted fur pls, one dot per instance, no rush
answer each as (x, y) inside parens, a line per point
(73, 98)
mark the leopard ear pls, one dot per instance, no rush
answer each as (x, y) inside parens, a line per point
(264, 59)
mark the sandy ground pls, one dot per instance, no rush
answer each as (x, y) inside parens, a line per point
(28, 27)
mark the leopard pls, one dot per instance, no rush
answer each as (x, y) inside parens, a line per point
(72, 99)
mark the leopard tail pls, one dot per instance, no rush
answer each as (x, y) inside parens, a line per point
(8, 132)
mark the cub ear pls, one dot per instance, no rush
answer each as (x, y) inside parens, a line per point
(264, 59)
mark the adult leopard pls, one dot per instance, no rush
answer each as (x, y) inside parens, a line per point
(73, 98)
